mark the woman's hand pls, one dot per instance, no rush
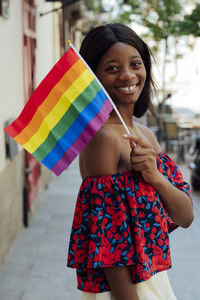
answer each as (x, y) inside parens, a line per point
(143, 158)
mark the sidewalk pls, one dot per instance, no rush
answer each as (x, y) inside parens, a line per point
(185, 249)
(35, 267)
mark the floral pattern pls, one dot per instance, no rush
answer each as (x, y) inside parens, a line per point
(119, 220)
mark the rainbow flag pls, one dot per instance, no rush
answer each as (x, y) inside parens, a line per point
(63, 113)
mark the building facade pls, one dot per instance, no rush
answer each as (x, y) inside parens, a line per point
(24, 61)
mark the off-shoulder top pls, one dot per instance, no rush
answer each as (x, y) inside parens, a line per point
(120, 220)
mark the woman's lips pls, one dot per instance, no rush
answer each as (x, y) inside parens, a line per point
(127, 89)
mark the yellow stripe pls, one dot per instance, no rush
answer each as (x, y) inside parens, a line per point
(77, 87)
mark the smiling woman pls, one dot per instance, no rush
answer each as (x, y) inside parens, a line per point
(132, 195)
(122, 73)
(102, 38)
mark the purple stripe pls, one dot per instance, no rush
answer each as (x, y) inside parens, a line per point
(83, 139)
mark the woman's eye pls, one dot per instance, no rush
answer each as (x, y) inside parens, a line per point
(136, 64)
(112, 68)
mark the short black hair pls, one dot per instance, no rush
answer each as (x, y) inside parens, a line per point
(101, 38)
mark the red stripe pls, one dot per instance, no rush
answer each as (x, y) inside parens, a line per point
(42, 91)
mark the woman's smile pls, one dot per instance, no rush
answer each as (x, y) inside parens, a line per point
(127, 89)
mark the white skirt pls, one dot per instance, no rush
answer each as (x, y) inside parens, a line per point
(157, 287)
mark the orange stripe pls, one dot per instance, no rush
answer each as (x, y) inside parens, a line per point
(44, 109)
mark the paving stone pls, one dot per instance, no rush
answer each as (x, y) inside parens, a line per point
(13, 282)
(185, 245)
(8, 294)
(49, 295)
(16, 268)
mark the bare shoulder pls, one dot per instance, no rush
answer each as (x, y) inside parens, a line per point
(104, 135)
(101, 155)
(150, 137)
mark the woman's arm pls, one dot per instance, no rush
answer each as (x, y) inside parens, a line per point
(175, 201)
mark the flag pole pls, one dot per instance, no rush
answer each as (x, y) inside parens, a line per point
(109, 98)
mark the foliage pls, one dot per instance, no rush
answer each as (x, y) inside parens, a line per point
(128, 11)
(190, 25)
(162, 18)
(96, 6)
(158, 16)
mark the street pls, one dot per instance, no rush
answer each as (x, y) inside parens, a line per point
(35, 267)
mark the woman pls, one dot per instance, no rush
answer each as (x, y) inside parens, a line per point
(132, 194)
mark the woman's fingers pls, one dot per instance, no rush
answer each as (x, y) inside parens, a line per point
(139, 151)
(142, 157)
(142, 161)
(138, 159)
(142, 147)
(138, 141)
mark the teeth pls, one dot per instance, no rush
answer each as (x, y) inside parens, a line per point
(127, 88)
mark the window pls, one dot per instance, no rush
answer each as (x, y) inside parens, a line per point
(5, 8)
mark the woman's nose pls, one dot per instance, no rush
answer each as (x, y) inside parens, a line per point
(126, 73)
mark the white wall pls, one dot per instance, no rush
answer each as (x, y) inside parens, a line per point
(56, 29)
(11, 70)
(45, 42)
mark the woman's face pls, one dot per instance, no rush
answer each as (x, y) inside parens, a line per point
(122, 73)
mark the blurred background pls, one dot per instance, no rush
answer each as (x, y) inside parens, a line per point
(33, 36)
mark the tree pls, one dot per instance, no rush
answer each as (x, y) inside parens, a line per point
(190, 25)
(160, 18)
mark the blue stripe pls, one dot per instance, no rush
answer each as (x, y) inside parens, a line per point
(91, 110)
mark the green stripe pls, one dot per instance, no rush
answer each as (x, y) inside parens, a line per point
(67, 120)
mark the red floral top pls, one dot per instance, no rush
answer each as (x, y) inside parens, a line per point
(119, 220)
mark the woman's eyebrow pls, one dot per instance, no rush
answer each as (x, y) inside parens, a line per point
(116, 61)
(111, 61)
(135, 56)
